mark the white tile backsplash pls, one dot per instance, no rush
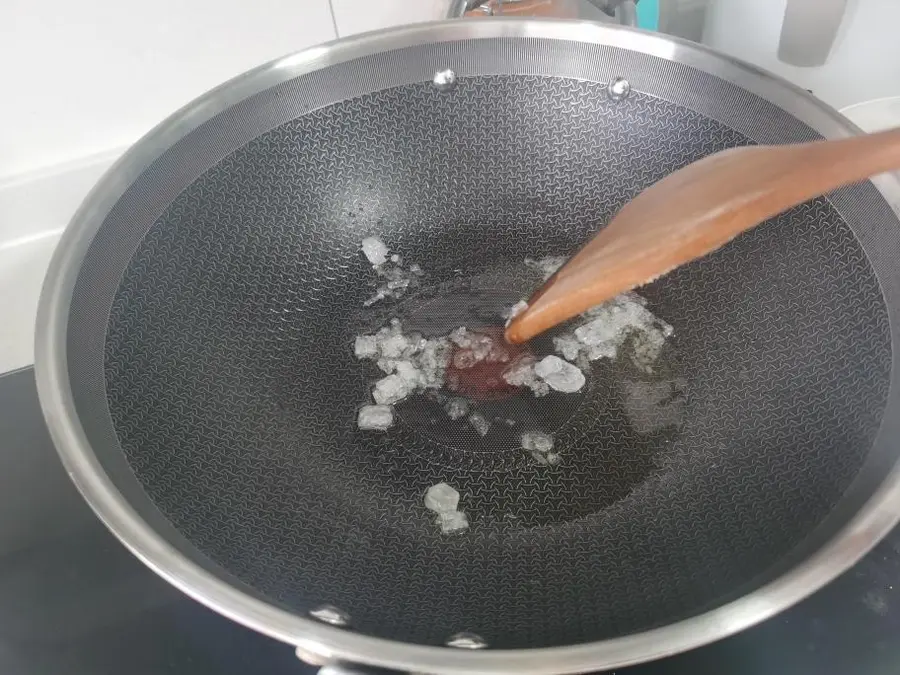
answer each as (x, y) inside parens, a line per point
(87, 76)
(359, 16)
(83, 80)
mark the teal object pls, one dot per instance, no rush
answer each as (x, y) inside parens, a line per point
(648, 14)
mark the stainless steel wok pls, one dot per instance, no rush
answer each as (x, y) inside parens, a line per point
(195, 359)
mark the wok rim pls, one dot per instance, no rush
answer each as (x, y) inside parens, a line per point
(325, 643)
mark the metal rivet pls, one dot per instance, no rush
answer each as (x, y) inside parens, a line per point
(618, 89)
(466, 640)
(330, 615)
(444, 80)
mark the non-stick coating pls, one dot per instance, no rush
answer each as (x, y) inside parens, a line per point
(232, 387)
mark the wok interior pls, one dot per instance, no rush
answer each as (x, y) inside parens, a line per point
(232, 388)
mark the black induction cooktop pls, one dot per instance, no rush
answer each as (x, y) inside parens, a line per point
(73, 601)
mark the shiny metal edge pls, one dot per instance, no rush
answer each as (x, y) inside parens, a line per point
(879, 515)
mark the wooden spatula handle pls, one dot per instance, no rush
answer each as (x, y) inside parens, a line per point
(800, 171)
(815, 168)
(695, 211)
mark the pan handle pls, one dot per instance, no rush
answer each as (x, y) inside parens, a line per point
(625, 11)
(458, 8)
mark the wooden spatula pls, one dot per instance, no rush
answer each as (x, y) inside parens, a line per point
(696, 210)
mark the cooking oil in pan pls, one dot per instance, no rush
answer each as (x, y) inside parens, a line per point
(465, 387)
(552, 455)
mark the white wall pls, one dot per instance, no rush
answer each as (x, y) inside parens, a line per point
(359, 16)
(80, 80)
(81, 76)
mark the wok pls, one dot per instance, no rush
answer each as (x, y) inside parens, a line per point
(195, 354)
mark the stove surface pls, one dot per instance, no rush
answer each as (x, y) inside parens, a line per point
(74, 601)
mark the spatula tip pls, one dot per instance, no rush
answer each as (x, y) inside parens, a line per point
(514, 335)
